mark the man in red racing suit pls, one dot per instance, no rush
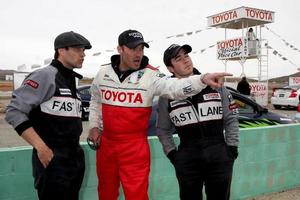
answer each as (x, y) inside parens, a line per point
(120, 107)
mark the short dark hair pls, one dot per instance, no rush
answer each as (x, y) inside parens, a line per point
(56, 54)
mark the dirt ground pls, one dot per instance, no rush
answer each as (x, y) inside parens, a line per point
(6, 85)
(2, 107)
(293, 194)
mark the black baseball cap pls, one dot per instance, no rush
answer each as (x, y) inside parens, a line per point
(172, 51)
(131, 39)
(71, 39)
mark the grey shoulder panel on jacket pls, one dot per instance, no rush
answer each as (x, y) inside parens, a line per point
(37, 87)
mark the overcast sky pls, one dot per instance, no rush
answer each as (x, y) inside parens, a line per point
(28, 30)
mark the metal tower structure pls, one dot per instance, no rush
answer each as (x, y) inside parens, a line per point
(249, 44)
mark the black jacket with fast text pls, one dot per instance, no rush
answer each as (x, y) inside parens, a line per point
(210, 114)
(47, 101)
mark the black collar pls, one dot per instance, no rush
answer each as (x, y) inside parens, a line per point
(61, 68)
(115, 63)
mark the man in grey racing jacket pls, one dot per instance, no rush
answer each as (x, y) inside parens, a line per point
(46, 112)
(204, 156)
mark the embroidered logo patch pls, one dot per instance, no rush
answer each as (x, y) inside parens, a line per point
(187, 90)
(31, 83)
(211, 96)
(211, 110)
(65, 91)
(140, 74)
(177, 103)
(160, 75)
(234, 107)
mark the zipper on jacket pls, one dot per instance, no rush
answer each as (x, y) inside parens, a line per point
(193, 108)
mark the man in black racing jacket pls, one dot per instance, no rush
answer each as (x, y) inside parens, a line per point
(46, 112)
(205, 155)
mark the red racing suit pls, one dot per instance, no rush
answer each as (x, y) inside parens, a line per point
(121, 111)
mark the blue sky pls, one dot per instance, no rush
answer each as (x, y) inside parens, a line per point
(28, 29)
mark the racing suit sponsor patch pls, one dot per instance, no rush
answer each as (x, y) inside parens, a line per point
(234, 107)
(136, 76)
(177, 103)
(183, 116)
(212, 96)
(65, 91)
(31, 83)
(140, 74)
(133, 78)
(62, 106)
(187, 89)
(122, 96)
(160, 75)
(211, 110)
(107, 78)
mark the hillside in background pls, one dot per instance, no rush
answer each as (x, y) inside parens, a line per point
(284, 79)
(8, 85)
(274, 82)
(5, 72)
